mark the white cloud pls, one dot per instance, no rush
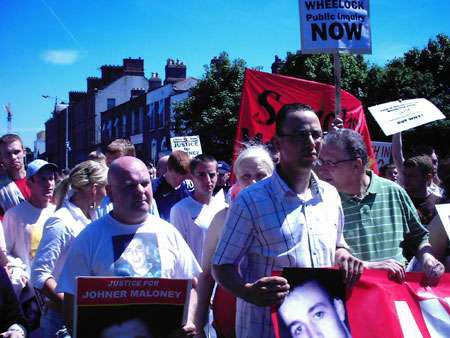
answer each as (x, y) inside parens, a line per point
(61, 56)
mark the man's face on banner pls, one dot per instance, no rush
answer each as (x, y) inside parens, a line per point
(133, 328)
(308, 312)
(136, 254)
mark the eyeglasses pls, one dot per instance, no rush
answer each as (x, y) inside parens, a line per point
(303, 135)
(329, 163)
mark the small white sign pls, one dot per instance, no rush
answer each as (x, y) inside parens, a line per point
(330, 26)
(443, 212)
(396, 116)
(189, 144)
(383, 151)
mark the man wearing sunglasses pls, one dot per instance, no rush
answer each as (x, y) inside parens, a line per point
(381, 224)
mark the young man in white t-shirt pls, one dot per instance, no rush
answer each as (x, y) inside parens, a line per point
(193, 214)
(23, 223)
(109, 246)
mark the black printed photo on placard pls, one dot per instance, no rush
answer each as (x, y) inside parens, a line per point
(136, 255)
(314, 306)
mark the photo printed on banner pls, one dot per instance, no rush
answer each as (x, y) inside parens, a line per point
(137, 255)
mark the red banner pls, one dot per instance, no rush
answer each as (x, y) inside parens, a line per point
(263, 95)
(381, 308)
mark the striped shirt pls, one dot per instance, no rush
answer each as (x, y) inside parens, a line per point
(271, 227)
(384, 224)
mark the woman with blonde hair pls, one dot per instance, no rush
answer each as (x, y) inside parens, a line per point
(252, 165)
(76, 198)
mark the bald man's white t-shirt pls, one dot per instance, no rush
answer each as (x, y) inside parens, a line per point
(107, 247)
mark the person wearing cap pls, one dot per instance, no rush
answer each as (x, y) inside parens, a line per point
(223, 179)
(23, 223)
(13, 185)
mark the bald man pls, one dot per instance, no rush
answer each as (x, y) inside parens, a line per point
(101, 248)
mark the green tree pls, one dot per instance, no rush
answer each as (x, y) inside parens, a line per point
(212, 109)
(319, 67)
(420, 73)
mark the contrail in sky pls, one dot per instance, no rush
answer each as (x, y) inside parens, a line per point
(62, 24)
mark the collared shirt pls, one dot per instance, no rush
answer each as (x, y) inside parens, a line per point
(271, 227)
(383, 224)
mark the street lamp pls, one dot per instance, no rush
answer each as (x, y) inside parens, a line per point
(66, 143)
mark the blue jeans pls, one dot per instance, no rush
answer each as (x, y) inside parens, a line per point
(51, 322)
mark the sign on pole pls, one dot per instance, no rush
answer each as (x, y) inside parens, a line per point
(396, 116)
(189, 144)
(331, 26)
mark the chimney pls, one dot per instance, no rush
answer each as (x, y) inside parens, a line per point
(154, 82)
(93, 83)
(133, 66)
(75, 97)
(276, 65)
(135, 92)
(111, 73)
(175, 71)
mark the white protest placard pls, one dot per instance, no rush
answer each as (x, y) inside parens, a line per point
(330, 26)
(396, 116)
(189, 144)
(383, 151)
(443, 212)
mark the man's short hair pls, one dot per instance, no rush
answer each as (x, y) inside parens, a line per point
(423, 149)
(179, 162)
(423, 162)
(350, 141)
(387, 167)
(285, 111)
(202, 158)
(122, 147)
(10, 138)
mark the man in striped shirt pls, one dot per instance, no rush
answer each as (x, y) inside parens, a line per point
(291, 219)
(381, 223)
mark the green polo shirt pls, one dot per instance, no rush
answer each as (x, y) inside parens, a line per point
(384, 224)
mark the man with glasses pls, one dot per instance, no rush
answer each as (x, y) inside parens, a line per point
(291, 219)
(381, 224)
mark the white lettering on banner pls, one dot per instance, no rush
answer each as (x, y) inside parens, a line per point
(436, 317)
(407, 321)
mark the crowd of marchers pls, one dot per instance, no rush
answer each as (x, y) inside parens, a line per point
(311, 201)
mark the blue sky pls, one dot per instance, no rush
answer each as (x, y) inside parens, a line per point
(51, 46)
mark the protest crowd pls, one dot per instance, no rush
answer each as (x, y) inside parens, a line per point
(311, 201)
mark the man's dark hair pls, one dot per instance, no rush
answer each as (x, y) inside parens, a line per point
(179, 162)
(423, 149)
(350, 141)
(285, 111)
(202, 158)
(10, 138)
(386, 167)
(423, 162)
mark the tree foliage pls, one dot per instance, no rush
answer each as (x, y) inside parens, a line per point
(212, 109)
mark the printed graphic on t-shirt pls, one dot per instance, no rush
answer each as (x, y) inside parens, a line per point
(136, 255)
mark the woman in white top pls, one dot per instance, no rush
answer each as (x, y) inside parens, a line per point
(76, 198)
(253, 164)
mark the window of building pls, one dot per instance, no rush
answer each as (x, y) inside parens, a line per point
(110, 103)
(116, 127)
(124, 125)
(136, 122)
(141, 119)
(161, 114)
